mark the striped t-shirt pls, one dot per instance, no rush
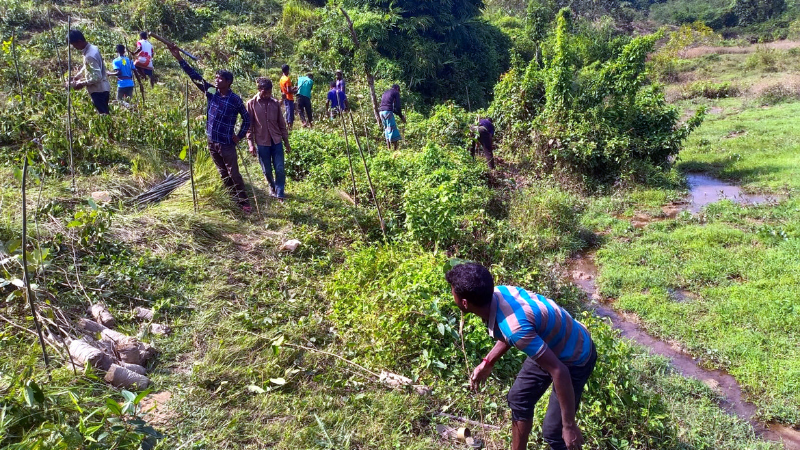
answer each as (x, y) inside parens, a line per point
(533, 323)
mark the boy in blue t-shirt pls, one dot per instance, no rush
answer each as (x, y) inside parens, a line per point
(123, 70)
(337, 101)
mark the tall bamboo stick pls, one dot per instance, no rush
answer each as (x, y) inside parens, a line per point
(25, 277)
(366, 169)
(189, 148)
(349, 159)
(69, 103)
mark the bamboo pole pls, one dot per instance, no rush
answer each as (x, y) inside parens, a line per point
(349, 159)
(25, 277)
(55, 43)
(366, 169)
(16, 64)
(249, 179)
(69, 104)
(189, 148)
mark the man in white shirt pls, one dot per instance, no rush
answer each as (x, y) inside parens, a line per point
(144, 58)
(94, 76)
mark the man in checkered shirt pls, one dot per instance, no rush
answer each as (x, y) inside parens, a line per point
(223, 108)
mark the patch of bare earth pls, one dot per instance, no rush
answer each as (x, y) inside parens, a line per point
(156, 411)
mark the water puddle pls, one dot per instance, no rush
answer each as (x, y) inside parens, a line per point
(705, 189)
(583, 272)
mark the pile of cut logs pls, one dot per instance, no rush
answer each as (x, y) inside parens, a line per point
(120, 357)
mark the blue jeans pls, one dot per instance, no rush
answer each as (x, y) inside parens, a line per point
(288, 105)
(271, 156)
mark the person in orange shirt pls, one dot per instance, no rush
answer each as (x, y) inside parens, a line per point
(287, 92)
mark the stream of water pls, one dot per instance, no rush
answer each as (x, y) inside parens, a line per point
(704, 190)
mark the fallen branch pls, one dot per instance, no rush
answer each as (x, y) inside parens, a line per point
(171, 44)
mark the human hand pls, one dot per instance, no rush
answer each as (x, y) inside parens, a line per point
(572, 437)
(480, 374)
(235, 139)
(252, 149)
(288, 148)
(176, 52)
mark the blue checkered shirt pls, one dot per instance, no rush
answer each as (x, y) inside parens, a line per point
(221, 112)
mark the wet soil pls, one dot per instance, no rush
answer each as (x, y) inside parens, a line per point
(583, 272)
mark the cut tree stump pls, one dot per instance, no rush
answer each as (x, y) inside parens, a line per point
(121, 377)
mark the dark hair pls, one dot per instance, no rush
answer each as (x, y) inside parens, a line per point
(264, 83)
(310, 75)
(473, 282)
(225, 75)
(120, 49)
(396, 87)
(333, 84)
(143, 35)
(75, 36)
(285, 68)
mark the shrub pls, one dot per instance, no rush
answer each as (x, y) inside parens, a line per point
(709, 89)
(779, 93)
(590, 119)
(763, 58)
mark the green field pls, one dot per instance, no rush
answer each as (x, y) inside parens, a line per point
(738, 264)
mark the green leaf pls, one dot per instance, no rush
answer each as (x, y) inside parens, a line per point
(142, 395)
(278, 381)
(129, 396)
(182, 155)
(113, 406)
(440, 327)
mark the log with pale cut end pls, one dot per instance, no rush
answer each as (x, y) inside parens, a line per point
(114, 336)
(148, 352)
(134, 368)
(130, 350)
(143, 313)
(160, 329)
(83, 352)
(102, 316)
(396, 381)
(90, 326)
(121, 377)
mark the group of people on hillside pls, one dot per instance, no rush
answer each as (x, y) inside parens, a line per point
(560, 349)
(266, 129)
(94, 76)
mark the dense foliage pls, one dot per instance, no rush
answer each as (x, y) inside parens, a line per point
(588, 106)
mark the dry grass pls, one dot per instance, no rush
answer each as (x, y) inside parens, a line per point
(696, 52)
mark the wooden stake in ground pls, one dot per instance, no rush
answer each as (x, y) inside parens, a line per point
(189, 148)
(349, 159)
(25, 278)
(366, 169)
(69, 103)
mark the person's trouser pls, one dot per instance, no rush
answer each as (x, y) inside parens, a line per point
(288, 105)
(486, 142)
(532, 382)
(123, 92)
(304, 108)
(100, 101)
(271, 157)
(227, 161)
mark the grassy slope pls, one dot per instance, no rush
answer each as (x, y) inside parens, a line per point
(741, 263)
(218, 279)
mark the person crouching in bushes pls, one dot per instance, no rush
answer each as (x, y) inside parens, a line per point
(559, 348)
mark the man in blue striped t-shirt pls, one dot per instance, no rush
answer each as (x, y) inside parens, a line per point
(559, 348)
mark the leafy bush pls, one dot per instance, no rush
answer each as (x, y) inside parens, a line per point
(310, 149)
(393, 307)
(763, 58)
(589, 119)
(778, 93)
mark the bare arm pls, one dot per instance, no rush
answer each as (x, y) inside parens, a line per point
(562, 383)
(482, 371)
